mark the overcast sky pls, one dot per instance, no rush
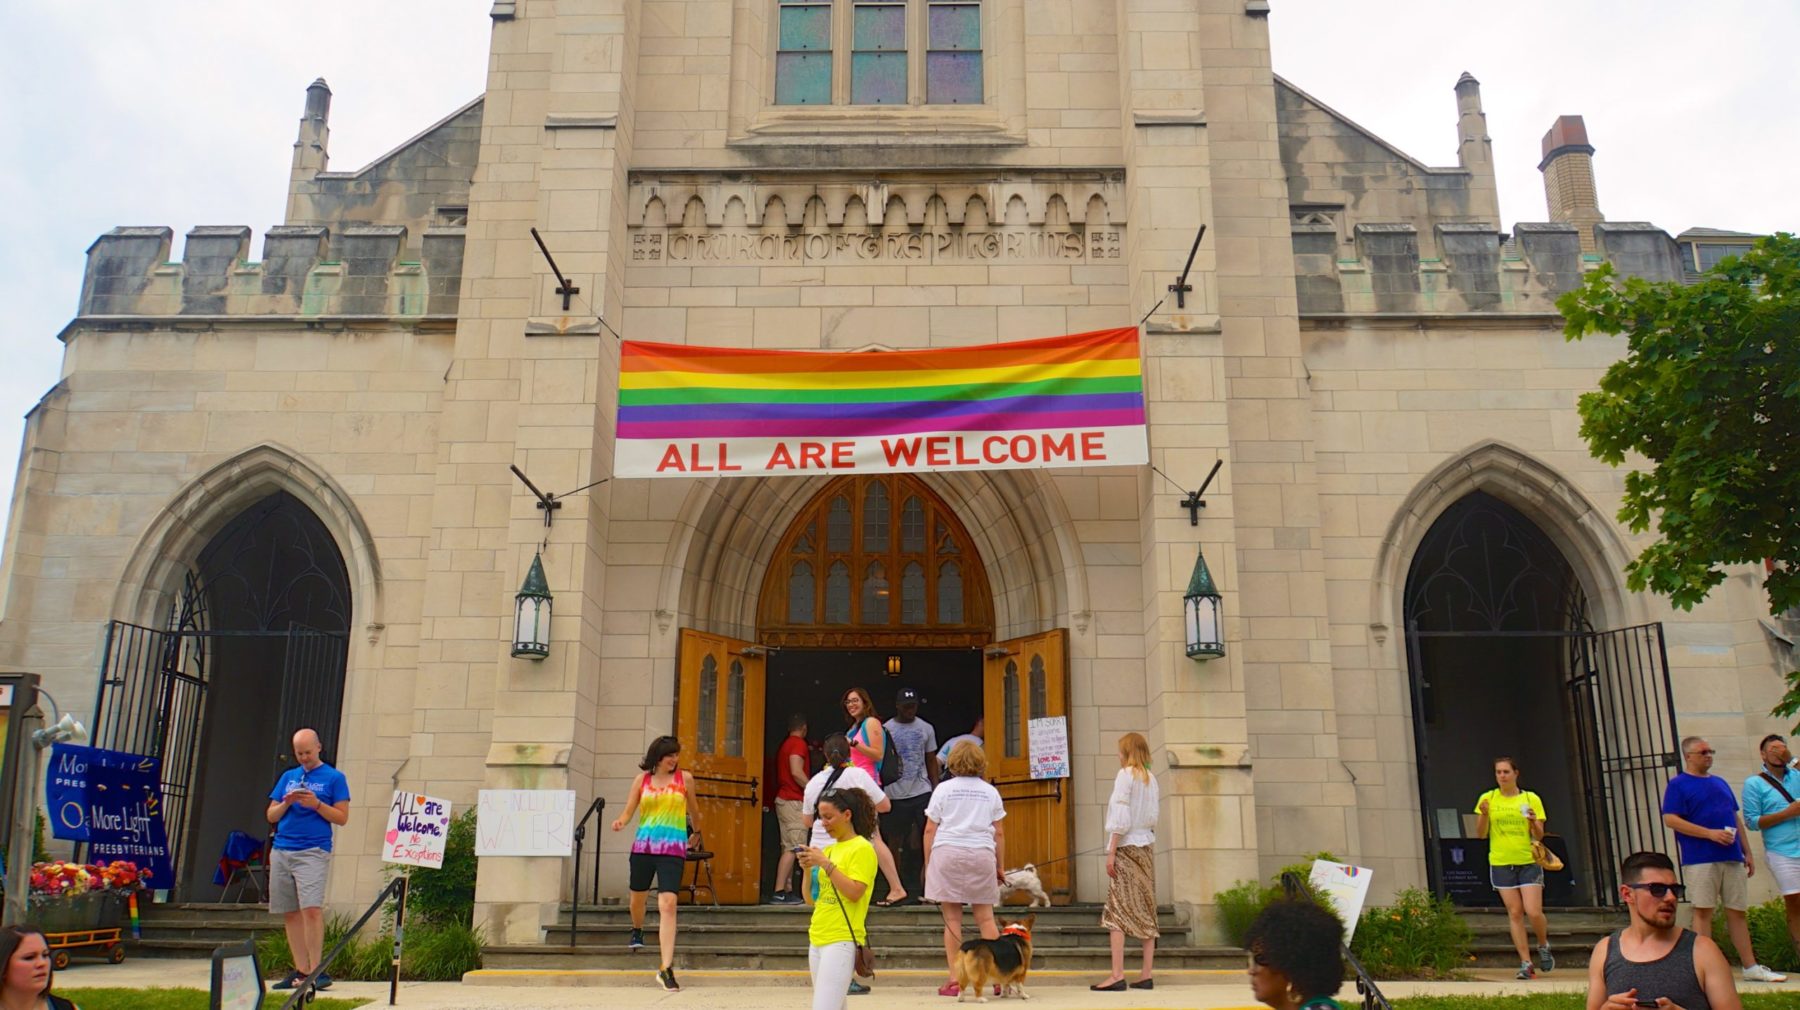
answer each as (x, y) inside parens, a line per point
(134, 113)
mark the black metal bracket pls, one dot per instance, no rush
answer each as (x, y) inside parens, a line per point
(1193, 502)
(1181, 287)
(549, 503)
(563, 287)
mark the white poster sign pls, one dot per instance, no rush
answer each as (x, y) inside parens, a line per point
(418, 829)
(525, 822)
(1049, 742)
(1345, 886)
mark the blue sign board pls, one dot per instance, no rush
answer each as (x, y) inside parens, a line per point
(113, 801)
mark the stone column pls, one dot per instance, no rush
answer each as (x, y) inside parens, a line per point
(531, 384)
(1197, 728)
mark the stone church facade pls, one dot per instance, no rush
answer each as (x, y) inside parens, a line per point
(1379, 365)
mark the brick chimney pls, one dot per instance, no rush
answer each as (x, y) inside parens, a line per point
(1568, 168)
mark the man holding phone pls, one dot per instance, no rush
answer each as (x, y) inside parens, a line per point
(307, 801)
(1652, 962)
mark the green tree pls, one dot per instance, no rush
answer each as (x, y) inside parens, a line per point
(1708, 394)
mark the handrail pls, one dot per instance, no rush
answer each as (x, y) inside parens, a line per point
(305, 990)
(595, 808)
(1372, 999)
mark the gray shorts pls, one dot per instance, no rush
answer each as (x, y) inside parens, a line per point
(297, 879)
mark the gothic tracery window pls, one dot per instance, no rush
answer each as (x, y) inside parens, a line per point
(878, 52)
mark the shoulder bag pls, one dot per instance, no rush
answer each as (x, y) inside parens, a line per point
(865, 957)
(1541, 855)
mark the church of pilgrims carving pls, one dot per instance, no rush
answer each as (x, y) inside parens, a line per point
(272, 487)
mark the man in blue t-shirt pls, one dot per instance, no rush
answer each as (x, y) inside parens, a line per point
(1702, 811)
(306, 802)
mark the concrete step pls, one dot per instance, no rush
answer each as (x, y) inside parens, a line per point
(792, 957)
(794, 933)
(775, 916)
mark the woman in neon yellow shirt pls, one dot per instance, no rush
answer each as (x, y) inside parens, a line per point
(846, 880)
(1511, 819)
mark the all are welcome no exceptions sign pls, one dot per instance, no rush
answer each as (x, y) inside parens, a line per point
(688, 411)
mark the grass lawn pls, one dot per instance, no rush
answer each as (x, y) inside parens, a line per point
(178, 999)
(1552, 1001)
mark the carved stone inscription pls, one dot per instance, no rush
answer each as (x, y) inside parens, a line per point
(1072, 243)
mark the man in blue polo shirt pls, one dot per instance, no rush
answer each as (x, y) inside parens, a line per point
(306, 802)
(1715, 861)
(1772, 806)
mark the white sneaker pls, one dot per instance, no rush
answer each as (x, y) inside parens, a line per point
(1758, 973)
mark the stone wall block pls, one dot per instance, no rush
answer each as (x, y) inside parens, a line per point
(119, 265)
(1471, 252)
(1552, 251)
(289, 254)
(1639, 249)
(366, 254)
(209, 256)
(442, 253)
(1315, 268)
(1390, 252)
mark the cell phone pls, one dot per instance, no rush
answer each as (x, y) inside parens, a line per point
(796, 850)
(1645, 1002)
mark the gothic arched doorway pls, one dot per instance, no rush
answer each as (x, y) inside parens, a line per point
(255, 647)
(1503, 662)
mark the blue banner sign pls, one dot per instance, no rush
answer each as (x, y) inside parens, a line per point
(113, 801)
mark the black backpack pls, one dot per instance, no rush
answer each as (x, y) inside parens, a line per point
(891, 766)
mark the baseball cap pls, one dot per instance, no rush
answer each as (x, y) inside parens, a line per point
(907, 695)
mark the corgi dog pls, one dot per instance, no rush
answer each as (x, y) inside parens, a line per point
(1025, 879)
(1003, 962)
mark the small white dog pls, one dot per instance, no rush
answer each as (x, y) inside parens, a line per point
(1025, 879)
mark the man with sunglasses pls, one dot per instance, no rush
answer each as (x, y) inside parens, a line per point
(1772, 807)
(1709, 831)
(1652, 962)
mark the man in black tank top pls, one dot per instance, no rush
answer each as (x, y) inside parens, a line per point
(1652, 962)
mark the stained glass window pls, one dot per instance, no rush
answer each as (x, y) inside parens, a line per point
(950, 594)
(803, 54)
(875, 594)
(837, 594)
(875, 518)
(1014, 732)
(837, 525)
(801, 596)
(734, 710)
(912, 526)
(912, 594)
(878, 52)
(953, 52)
(709, 707)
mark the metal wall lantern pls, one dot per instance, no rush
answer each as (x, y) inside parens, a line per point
(531, 623)
(1204, 612)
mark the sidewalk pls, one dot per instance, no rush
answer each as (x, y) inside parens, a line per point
(1226, 990)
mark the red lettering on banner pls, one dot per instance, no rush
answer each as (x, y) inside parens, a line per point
(902, 452)
(843, 455)
(812, 453)
(724, 462)
(671, 460)
(1026, 455)
(1064, 447)
(694, 458)
(937, 450)
(961, 458)
(780, 458)
(987, 448)
(1091, 447)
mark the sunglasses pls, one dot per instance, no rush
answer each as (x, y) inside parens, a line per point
(1660, 890)
(1703, 753)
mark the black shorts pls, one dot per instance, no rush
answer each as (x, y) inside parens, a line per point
(665, 870)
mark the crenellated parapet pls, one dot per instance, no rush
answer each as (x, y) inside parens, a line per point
(366, 271)
(1376, 268)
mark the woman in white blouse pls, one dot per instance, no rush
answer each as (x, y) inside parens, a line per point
(1131, 830)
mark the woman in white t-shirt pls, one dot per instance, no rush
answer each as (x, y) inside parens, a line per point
(838, 773)
(965, 850)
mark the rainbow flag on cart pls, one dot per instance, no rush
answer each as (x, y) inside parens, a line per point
(688, 410)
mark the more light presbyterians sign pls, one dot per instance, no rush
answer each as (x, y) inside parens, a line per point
(688, 411)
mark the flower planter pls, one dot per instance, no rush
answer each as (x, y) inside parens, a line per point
(99, 910)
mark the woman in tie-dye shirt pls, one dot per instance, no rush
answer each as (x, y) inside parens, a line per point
(663, 798)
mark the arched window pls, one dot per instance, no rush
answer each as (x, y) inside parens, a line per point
(1040, 695)
(708, 742)
(894, 567)
(734, 710)
(1014, 731)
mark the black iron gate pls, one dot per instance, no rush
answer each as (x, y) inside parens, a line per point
(1629, 747)
(152, 700)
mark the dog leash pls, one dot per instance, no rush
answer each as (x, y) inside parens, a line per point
(1062, 859)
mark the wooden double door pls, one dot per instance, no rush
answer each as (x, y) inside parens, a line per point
(720, 719)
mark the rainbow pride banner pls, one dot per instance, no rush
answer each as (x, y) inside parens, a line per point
(687, 411)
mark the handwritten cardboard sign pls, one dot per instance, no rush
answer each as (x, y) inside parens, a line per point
(1049, 743)
(418, 828)
(1345, 886)
(525, 822)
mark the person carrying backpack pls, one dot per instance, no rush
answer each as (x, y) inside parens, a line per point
(869, 752)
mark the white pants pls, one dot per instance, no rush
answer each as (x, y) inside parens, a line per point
(832, 966)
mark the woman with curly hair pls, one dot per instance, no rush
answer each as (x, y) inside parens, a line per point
(1295, 956)
(846, 872)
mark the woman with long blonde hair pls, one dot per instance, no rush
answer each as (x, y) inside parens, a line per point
(1130, 832)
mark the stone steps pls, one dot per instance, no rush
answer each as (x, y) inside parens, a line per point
(194, 929)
